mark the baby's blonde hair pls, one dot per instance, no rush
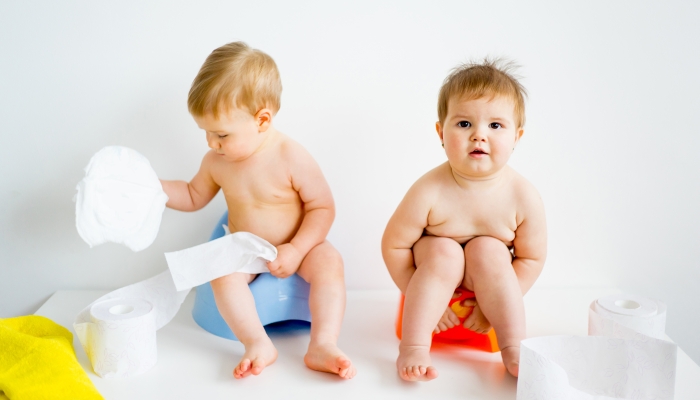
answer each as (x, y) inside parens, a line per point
(489, 78)
(235, 75)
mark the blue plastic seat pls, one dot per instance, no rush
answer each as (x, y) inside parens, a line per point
(276, 299)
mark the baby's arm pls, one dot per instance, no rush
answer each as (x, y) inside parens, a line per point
(530, 243)
(319, 210)
(194, 195)
(403, 230)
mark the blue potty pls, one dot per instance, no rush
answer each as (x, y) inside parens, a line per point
(276, 299)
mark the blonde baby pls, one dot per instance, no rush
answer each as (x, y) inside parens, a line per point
(273, 189)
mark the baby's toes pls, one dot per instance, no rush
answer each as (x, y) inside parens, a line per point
(414, 372)
(241, 368)
(257, 366)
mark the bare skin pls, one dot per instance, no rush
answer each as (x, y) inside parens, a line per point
(455, 227)
(275, 190)
(475, 321)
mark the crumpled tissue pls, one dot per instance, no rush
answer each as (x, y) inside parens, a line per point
(119, 200)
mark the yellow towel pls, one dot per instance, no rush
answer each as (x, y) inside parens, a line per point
(37, 362)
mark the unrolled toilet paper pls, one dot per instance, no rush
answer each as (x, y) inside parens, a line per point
(119, 200)
(624, 358)
(241, 252)
(118, 330)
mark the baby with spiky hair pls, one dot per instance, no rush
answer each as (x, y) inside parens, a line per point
(472, 222)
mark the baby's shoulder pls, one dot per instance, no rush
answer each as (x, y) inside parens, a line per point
(522, 190)
(288, 150)
(432, 183)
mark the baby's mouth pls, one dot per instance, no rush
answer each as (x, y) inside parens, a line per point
(478, 151)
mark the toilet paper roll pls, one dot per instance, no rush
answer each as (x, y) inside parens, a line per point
(241, 251)
(624, 358)
(120, 337)
(627, 317)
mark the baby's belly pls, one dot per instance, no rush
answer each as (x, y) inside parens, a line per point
(276, 223)
(466, 234)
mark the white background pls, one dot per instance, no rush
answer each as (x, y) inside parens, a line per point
(610, 140)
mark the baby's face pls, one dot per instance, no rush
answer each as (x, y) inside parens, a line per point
(235, 135)
(479, 135)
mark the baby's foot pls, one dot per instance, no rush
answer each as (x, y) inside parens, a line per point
(329, 358)
(476, 321)
(511, 359)
(448, 320)
(258, 355)
(414, 364)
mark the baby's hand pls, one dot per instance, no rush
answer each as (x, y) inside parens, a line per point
(287, 262)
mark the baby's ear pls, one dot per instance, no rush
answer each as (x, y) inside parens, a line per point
(263, 118)
(519, 134)
(438, 128)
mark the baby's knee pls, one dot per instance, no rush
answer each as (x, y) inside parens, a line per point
(437, 250)
(486, 250)
(323, 261)
(326, 255)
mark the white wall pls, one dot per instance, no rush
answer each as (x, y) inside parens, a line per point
(610, 137)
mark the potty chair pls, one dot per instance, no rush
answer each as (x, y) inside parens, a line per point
(276, 299)
(458, 335)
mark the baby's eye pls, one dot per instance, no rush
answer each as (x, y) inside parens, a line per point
(221, 136)
(464, 124)
(495, 125)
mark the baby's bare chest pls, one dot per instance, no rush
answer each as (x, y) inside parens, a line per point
(463, 217)
(256, 186)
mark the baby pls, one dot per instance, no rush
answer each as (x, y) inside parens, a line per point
(472, 222)
(273, 189)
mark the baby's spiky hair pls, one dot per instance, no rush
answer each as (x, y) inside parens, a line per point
(488, 78)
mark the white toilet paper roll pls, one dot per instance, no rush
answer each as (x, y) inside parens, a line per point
(627, 317)
(120, 337)
(107, 326)
(623, 358)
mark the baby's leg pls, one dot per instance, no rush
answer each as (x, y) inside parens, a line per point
(439, 270)
(490, 274)
(323, 269)
(237, 306)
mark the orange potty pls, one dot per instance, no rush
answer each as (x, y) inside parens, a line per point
(458, 335)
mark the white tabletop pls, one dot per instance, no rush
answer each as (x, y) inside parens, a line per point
(195, 364)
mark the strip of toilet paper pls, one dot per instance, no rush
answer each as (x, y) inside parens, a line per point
(118, 330)
(623, 358)
(241, 251)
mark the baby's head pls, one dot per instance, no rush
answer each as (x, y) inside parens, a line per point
(234, 97)
(481, 113)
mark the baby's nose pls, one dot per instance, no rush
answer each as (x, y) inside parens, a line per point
(213, 144)
(478, 137)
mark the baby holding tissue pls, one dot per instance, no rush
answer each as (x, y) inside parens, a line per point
(472, 222)
(273, 189)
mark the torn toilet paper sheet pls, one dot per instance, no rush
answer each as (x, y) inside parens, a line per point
(117, 330)
(119, 200)
(237, 252)
(623, 359)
